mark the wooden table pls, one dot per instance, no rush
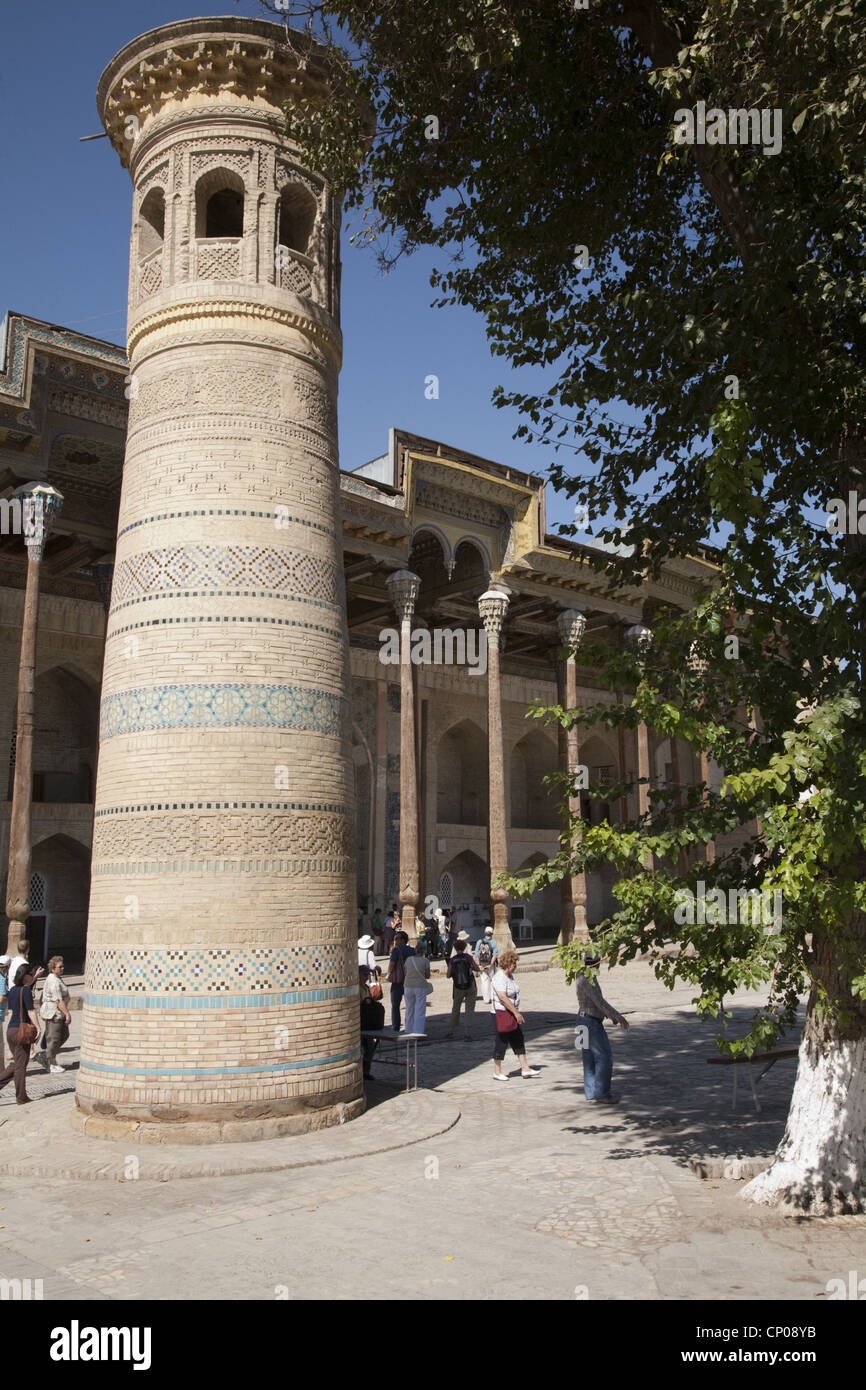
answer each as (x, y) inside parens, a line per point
(411, 1041)
(771, 1058)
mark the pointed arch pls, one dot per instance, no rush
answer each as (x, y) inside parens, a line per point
(461, 775)
(534, 805)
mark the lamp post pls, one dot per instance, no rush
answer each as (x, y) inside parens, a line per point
(40, 507)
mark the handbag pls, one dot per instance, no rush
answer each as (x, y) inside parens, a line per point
(375, 990)
(505, 1021)
(26, 1033)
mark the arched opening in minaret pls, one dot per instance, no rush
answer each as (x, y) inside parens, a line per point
(296, 218)
(151, 224)
(219, 199)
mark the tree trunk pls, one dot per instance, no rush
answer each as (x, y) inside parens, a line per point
(820, 1166)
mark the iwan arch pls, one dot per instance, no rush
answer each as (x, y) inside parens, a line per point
(227, 586)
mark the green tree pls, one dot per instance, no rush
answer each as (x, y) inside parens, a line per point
(705, 384)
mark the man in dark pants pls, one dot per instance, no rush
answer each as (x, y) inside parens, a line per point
(591, 1039)
(397, 974)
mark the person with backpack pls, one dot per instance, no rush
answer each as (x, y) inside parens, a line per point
(462, 971)
(372, 1018)
(486, 951)
(397, 974)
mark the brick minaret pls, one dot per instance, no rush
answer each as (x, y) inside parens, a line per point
(221, 986)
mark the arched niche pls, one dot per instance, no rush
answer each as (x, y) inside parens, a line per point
(219, 205)
(484, 564)
(461, 775)
(602, 762)
(65, 737)
(296, 218)
(543, 908)
(57, 924)
(151, 224)
(533, 805)
(470, 880)
(430, 559)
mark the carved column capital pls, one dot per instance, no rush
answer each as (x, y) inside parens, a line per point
(492, 607)
(403, 587)
(640, 637)
(697, 664)
(571, 625)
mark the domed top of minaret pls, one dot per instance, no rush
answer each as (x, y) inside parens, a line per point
(223, 59)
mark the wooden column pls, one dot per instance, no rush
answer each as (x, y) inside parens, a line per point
(18, 885)
(682, 857)
(699, 666)
(710, 846)
(492, 607)
(403, 588)
(571, 626)
(381, 792)
(641, 637)
(643, 772)
(39, 506)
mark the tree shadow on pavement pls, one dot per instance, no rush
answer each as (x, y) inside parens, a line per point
(669, 1095)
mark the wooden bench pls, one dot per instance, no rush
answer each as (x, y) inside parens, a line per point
(771, 1058)
(410, 1040)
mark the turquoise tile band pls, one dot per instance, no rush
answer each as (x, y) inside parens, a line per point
(223, 706)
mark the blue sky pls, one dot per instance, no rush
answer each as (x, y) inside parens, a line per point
(64, 241)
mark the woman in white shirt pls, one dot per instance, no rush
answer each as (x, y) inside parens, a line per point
(505, 1007)
(55, 1013)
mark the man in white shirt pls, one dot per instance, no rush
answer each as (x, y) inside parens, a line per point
(23, 958)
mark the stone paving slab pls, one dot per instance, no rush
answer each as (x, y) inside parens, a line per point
(588, 1202)
(43, 1144)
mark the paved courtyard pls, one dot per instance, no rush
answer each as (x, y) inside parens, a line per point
(469, 1188)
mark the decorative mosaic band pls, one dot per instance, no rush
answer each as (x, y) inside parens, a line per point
(223, 706)
(203, 618)
(229, 593)
(280, 516)
(223, 806)
(178, 569)
(179, 970)
(192, 1073)
(203, 834)
(293, 867)
(182, 1002)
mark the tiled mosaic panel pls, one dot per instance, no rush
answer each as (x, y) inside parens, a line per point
(24, 331)
(223, 706)
(131, 970)
(179, 569)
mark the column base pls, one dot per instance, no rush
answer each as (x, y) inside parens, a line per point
(215, 1124)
